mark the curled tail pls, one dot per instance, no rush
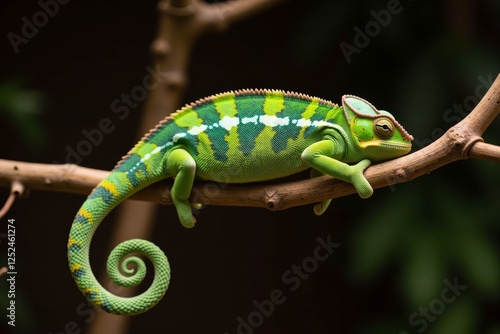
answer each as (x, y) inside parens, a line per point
(111, 191)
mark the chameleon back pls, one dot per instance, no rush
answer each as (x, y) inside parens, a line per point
(243, 136)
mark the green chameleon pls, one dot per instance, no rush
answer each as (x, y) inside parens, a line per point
(262, 134)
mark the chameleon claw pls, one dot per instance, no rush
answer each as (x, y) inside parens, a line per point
(189, 223)
(185, 215)
(197, 206)
(359, 181)
(320, 208)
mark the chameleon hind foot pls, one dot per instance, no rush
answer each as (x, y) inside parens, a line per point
(185, 216)
(181, 164)
(321, 207)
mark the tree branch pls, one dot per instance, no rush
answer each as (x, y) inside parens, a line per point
(16, 190)
(485, 151)
(461, 141)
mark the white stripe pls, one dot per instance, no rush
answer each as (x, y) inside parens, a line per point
(229, 122)
(196, 130)
(253, 119)
(148, 155)
(303, 122)
(157, 149)
(273, 121)
(178, 136)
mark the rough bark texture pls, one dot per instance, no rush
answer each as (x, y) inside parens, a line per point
(461, 141)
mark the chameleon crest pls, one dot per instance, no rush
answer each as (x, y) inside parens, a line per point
(235, 137)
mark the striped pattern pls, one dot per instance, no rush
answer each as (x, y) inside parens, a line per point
(237, 136)
(224, 131)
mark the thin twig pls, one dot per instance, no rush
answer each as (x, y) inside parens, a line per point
(485, 151)
(16, 190)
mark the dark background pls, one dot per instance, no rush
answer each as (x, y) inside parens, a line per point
(396, 250)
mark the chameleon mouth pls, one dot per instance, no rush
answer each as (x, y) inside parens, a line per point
(388, 146)
(405, 148)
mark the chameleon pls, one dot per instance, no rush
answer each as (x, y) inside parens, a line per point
(262, 134)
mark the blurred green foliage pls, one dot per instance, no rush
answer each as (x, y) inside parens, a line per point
(433, 230)
(444, 226)
(20, 108)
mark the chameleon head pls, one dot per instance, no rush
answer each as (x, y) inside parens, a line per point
(375, 132)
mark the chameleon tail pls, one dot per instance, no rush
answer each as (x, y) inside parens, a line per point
(99, 203)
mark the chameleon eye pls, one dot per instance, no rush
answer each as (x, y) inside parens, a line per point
(383, 127)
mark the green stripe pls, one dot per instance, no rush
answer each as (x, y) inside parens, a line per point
(215, 136)
(249, 106)
(293, 107)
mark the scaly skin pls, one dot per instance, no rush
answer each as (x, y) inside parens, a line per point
(235, 137)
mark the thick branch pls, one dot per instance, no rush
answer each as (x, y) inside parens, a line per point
(459, 142)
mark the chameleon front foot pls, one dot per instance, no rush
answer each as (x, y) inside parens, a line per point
(358, 179)
(319, 157)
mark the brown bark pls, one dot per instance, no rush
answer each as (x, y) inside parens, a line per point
(461, 141)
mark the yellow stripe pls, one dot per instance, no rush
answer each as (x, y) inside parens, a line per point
(310, 109)
(145, 149)
(205, 145)
(188, 119)
(76, 267)
(233, 143)
(225, 105)
(110, 186)
(73, 242)
(83, 212)
(274, 103)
